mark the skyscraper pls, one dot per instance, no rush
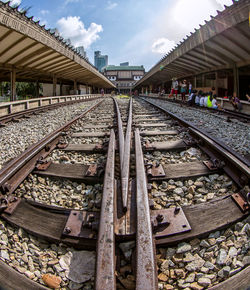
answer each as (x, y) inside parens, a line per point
(81, 50)
(100, 60)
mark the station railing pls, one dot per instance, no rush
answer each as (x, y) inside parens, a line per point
(18, 106)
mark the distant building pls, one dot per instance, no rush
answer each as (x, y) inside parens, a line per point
(124, 64)
(124, 76)
(55, 31)
(101, 61)
(81, 50)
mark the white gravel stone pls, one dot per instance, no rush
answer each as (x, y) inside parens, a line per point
(16, 137)
(234, 134)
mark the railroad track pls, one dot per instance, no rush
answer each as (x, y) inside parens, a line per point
(242, 117)
(17, 116)
(139, 199)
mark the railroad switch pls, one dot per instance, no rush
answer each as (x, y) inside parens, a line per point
(81, 224)
(214, 164)
(9, 203)
(242, 199)
(155, 170)
(169, 222)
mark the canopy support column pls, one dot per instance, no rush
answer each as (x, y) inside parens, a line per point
(75, 87)
(13, 85)
(54, 85)
(236, 80)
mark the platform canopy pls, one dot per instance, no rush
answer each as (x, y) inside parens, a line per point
(221, 43)
(36, 54)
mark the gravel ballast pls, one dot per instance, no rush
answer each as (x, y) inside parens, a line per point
(17, 137)
(235, 134)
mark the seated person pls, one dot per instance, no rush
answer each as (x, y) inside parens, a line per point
(209, 100)
(235, 101)
(205, 100)
(190, 98)
(215, 105)
(202, 100)
(194, 97)
(197, 100)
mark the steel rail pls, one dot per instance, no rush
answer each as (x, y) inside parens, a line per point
(8, 118)
(225, 153)
(120, 133)
(146, 273)
(105, 265)
(15, 165)
(227, 112)
(189, 124)
(126, 160)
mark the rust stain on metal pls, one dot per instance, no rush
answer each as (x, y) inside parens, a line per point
(105, 264)
(210, 165)
(92, 170)
(44, 166)
(81, 224)
(173, 222)
(62, 145)
(155, 170)
(9, 204)
(244, 204)
(146, 273)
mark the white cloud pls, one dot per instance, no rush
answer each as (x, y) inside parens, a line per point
(224, 2)
(15, 2)
(71, 1)
(111, 5)
(72, 27)
(162, 45)
(44, 12)
(173, 22)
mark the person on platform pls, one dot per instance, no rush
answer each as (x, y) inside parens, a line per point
(197, 98)
(202, 100)
(174, 90)
(183, 90)
(205, 100)
(209, 100)
(189, 88)
(235, 101)
(215, 105)
(191, 98)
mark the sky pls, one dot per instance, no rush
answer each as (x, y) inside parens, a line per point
(138, 31)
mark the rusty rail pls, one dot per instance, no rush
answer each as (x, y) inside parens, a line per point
(120, 133)
(105, 266)
(146, 273)
(20, 114)
(190, 125)
(15, 165)
(126, 160)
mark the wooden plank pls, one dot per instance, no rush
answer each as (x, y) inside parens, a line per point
(84, 148)
(47, 223)
(11, 279)
(152, 125)
(97, 127)
(90, 134)
(166, 146)
(125, 222)
(147, 114)
(205, 218)
(149, 119)
(71, 171)
(239, 281)
(155, 133)
(184, 170)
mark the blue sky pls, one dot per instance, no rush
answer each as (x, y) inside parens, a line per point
(138, 31)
